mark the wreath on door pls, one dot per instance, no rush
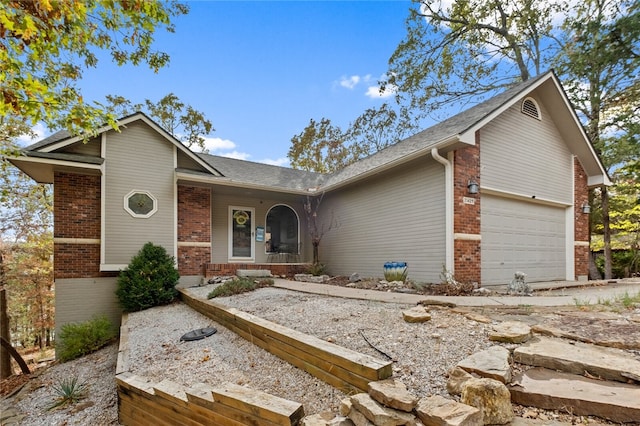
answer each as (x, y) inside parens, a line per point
(241, 217)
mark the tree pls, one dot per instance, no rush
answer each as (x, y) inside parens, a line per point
(317, 229)
(468, 50)
(46, 45)
(320, 147)
(183, 121)
(599, 63)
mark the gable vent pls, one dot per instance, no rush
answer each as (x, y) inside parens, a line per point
(530, 108)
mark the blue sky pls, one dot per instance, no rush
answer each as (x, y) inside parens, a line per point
(260, 70)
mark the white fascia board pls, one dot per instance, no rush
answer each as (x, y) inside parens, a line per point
(55, 162)
(213, 180)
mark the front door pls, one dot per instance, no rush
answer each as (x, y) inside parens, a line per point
(241, 231)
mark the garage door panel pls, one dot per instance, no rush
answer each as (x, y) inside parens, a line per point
(521, 236)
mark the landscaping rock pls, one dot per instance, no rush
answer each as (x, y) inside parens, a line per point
(457, 378)
(437, 410)
(510, 332)
(474, 316)
(393, 393)
(358, 418)
(416, 314)
(492, 363)
(321, 279)
(321, 419)
(553, 390)
(378, 414)
(345, 406)
(491, 397)
(340, 421)
(576, 358)
(355, 277)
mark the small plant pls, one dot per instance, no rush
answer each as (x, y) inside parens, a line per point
(149, 280)
(450, 286)
(69, 391)
(317, 269)
(239, 285)
(78, 339)
(629, 301)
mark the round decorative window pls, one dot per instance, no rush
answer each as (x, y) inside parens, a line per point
(140, 204)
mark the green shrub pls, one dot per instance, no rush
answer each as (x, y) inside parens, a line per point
(317, 269)
(239, 285)
(149, 280)
(78, 339)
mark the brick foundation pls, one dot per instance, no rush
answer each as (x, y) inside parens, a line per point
(466, 217)
(286, 269)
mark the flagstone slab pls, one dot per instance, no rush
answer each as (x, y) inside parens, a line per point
(553, 390)
(578, 358)
(492, 363)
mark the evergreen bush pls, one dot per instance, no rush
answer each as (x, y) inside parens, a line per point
(78, 339)
(149, 280)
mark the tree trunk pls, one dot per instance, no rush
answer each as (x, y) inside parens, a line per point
(606, 223)
(594, 273)
(315, 252)
(5, 333)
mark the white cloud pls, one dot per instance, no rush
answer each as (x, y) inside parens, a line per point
(373, 92)
(235, 154)
(218, 144)
(282, 162)
(39, 133)
(350, 82)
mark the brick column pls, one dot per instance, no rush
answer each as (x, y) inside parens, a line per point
(466, 214)
(581, 225)
(194, 229)
(76, 230)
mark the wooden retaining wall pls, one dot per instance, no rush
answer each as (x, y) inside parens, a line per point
(342, 368)
(142, 402)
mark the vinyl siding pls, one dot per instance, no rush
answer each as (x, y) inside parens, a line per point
(220, 224)
(90, 148)
(80, 299)
(526, 156)
(138, 159)
(397, 217)
(184, 162)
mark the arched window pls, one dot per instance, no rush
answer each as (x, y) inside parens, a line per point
(282, 233)
(530, 108)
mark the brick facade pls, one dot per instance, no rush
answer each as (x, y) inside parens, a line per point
(282, 269)
(466, 216)
(581, 230)
(194, 226)
(76, 209)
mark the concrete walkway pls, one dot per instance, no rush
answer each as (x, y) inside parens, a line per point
(545, 294)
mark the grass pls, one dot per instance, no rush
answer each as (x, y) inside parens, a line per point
(239, 285)
(69, 391)
(616, 303)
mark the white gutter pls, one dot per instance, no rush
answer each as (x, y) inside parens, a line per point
(448, 207)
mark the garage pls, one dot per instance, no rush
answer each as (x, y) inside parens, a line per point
(522, 236)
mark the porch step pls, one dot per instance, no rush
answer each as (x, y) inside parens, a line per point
(253, 273)
(543, 388)
(578, 358)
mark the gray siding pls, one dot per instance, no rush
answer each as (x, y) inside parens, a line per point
(398, 217)
(526, 156)
(80, 299)
(184, 162)
(138, 159)
(90, 148)
(220, 224)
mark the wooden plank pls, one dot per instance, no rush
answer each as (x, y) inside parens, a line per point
(130, 414)
(154, 408)
(275, 409)
(201, 397)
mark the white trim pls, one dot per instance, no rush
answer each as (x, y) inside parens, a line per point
(140, 215)
(56, 162)
(448, 202)
(175, 205)
(122, 123)
(252, 257)
(570, 225)
(581, 244)
(538, 115)
(467, 237)
(522, 197)
(223, 181)
(194, 244)
(60, 240)
(103, 198)
(211, 223)
(112, 267)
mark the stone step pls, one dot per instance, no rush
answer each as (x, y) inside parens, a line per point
(253, 273)
(543, 388)
(578, 358)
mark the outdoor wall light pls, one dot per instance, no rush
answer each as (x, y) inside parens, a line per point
(586, 208)
(473, 187)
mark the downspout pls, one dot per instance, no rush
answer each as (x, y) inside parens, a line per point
(448, 209)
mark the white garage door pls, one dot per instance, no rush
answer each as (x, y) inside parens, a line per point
(521, 236)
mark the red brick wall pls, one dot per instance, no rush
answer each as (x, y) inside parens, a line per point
(76, 210)
(194, 225)
(466, 217)
(223, 269)
(581, 196)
